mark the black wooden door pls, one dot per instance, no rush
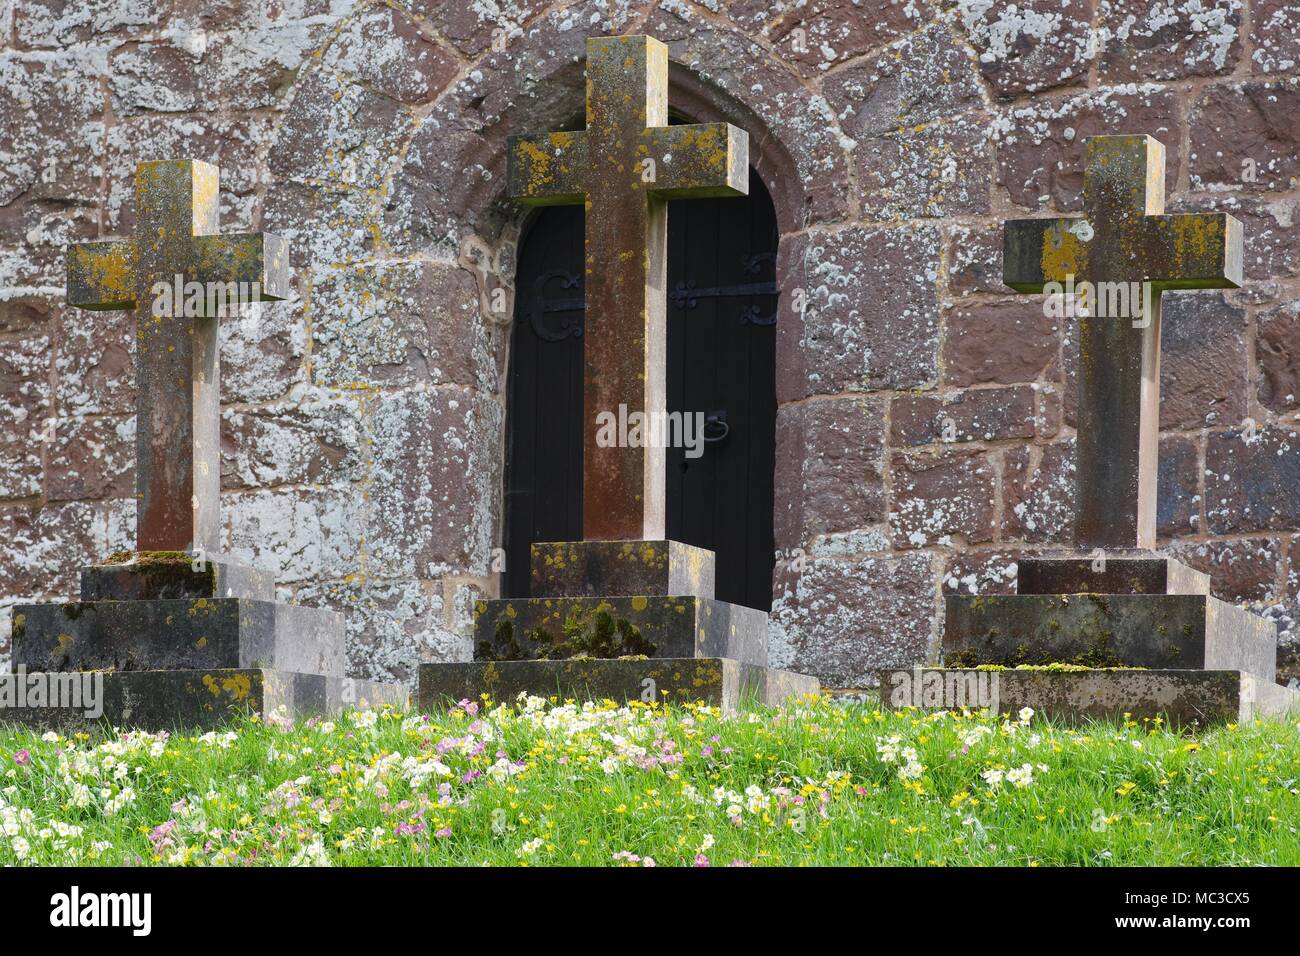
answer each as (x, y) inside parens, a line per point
(721, 361)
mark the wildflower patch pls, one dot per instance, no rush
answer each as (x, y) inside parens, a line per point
(535, 782)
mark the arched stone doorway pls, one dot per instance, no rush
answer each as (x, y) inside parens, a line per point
(722, 316)
(412, 304)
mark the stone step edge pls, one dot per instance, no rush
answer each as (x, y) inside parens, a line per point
(184, 699)
(723, 681)
(717, 628)
(1184, 696)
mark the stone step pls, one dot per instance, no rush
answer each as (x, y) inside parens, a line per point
(672, 626)
(620, 568)
(1181, 697)
(1138, 572)
(177, 635)
(720, 682)
(167, 575)
(200, 699)
(1107, 630)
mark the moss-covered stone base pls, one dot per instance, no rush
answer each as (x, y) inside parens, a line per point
(177, 635)
(614, 568)
(1180, 697)
(712, 680)
(1132, 572)
(168, 575)
(652, 625)
(181, 699)
(1107, 630)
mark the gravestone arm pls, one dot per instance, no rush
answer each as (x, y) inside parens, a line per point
(101, 275)
(246, 258)
(548, 169)
(1195, 250)
(1038, 251)
(698, 161)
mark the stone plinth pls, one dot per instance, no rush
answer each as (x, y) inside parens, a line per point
(656, 633)
(617, 568)
(1180, 697)
(1136, 572)
(1107, 630)
(138, 576)
(1138, 631)
(718, 681)
(169, 650)
(669, 626)
(204, 698)
(187, 634)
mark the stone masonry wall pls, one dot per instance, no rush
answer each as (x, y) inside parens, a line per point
(925, 423)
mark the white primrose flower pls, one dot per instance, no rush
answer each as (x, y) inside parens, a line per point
(1021, 777)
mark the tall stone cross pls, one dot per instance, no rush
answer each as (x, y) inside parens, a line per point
(624, 167)
(1125, 239)
(178, 468)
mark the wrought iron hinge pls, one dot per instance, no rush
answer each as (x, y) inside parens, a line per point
(687, 296)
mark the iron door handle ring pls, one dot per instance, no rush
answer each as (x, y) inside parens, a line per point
(716, 420)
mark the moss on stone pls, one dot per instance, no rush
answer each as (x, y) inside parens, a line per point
(74, 609)
(165, 568)
(1097, 654)
(585, 633)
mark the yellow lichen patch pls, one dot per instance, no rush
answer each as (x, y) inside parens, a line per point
(545, 168)
(238, 686)
(1063, 255)
(105, 269)
(639, 603)
(1193, 239)
(538, 162)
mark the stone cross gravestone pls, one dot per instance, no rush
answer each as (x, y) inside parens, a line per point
(624, 167)
(179, 635)
(623, 614)
(1112, 628)
(178, 465)
(1127, 251)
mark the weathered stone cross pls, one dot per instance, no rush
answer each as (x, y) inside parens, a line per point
(1123, 241)
(624, 166)
(177, 425)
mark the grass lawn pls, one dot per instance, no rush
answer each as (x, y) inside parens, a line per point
(538, 783)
